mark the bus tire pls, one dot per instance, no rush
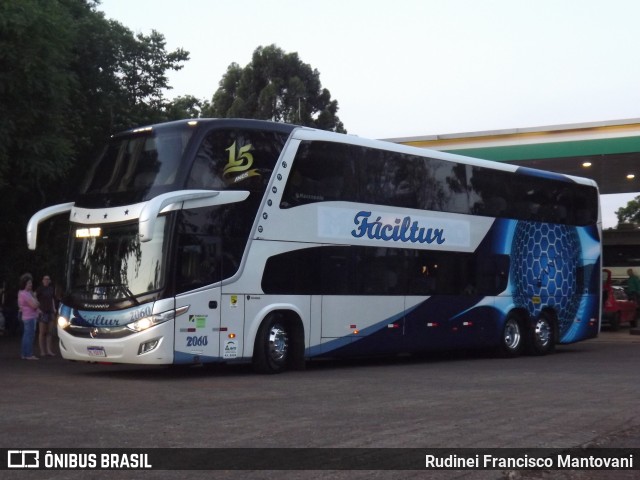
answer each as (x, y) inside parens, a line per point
(511, 338)
(542, 337)
(273, 345)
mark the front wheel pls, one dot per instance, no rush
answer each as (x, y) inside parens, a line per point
(511, 339)
(272, 347)
(542, 338)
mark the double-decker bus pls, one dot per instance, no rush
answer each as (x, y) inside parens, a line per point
(221, 240)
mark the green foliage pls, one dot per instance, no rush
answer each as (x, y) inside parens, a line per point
(275, 86)
(183, 107)
(35, 93)
(123, 77)
(69, 78)
(630, 213)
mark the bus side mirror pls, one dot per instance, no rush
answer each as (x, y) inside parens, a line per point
(191, 199)
(41, 216)
(153, 207)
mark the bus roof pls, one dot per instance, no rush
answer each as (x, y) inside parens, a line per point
(309, 133)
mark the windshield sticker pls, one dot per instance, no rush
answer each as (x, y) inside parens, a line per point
(200, 321)
(239, 164)
(110, 319)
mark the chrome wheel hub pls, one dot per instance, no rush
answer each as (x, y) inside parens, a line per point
(278, 343)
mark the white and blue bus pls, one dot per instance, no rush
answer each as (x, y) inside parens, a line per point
(221, 240)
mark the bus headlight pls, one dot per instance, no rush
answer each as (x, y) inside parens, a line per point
(148, 322)
(153, 320)
(63, 322)
(143, 323)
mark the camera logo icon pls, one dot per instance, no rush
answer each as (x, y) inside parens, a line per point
(23, 459)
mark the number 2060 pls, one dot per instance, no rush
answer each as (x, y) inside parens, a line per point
(197, 341)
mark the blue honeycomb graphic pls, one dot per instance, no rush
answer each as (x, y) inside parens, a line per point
(545, 259)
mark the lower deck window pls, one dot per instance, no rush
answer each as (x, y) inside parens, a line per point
(344, 270)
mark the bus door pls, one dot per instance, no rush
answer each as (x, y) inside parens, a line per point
(197, 332)
(205, 256)
(198, 266)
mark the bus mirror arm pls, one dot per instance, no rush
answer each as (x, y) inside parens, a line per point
(154, 206)
(41, 216)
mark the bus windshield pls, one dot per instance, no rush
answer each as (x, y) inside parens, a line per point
(110, 265)
(139, 165)
(134, 164)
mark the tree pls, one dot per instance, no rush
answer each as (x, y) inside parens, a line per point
(275, 86)
(37, 121)
(183, 107)
(68, 79)
(142, 70)
(35, 94)
(630, 213)
(123, 78)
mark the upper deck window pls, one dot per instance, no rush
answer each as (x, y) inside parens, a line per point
(141, 164)
(139, 161)
(236, 159)
(327, 171)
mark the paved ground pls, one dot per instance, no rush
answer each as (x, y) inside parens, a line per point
(586, 394)
(624, 438)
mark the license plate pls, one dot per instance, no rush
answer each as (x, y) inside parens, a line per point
(96, 352)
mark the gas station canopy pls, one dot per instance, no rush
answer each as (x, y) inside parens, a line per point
(608, 152)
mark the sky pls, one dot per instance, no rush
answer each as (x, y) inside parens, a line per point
(421, 67)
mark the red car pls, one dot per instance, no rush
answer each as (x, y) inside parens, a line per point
(617, 309)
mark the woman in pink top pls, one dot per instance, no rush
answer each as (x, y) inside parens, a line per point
(29, 309)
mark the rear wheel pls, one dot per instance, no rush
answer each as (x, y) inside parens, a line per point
(511, 339)
(542, 339)
(272, 349)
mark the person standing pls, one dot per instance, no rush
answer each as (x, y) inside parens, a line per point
(45, 294)
(29, 310)
(633, 286)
